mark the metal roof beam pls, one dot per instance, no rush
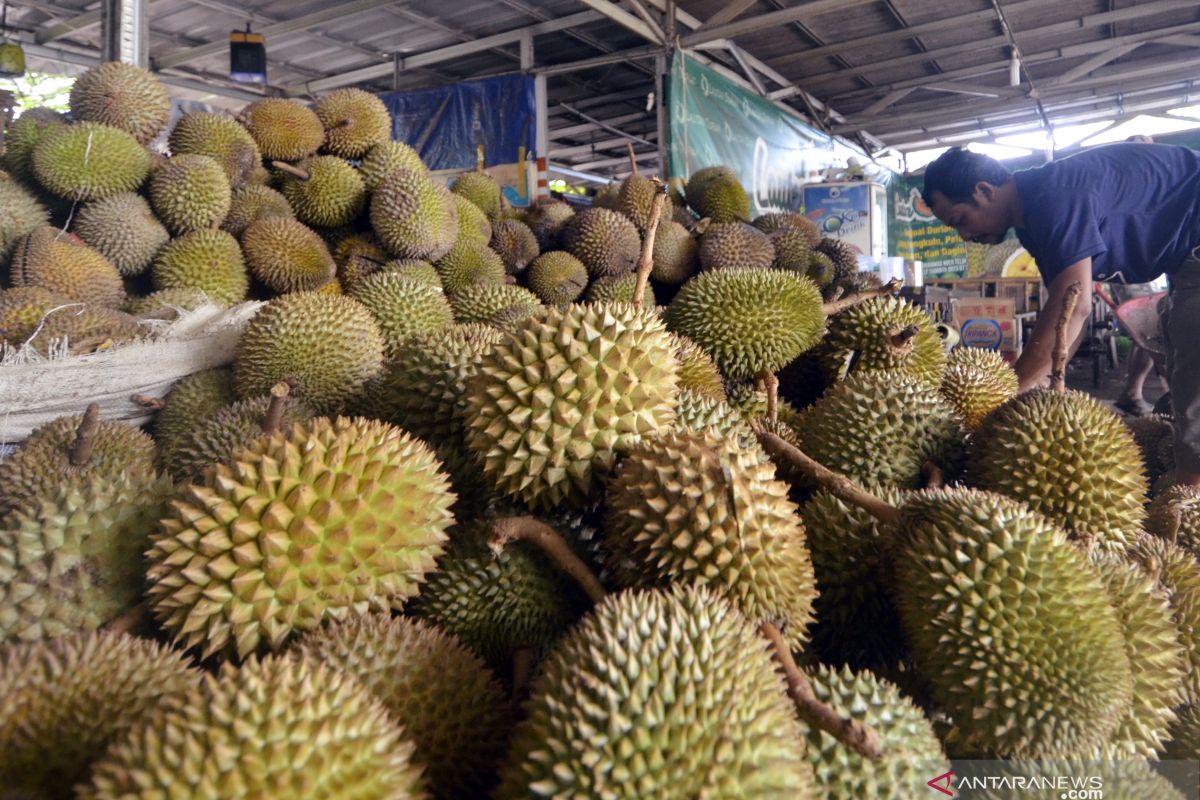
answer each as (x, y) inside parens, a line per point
(606, 144)
(1091, 65)
(808, 10)
(613, 162)
(576, 130)
(183, 56)
(441, 54)
(626, 20)
(605, 126)
(67, 27)
(728, 13)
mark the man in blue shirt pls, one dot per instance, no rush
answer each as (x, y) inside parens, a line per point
(1123, 212)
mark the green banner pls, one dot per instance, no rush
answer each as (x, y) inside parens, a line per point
(715, 121)
(915, 234)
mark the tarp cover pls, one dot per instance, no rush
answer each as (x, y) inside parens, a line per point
(446, 124)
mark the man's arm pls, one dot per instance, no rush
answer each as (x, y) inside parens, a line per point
(1033, 366)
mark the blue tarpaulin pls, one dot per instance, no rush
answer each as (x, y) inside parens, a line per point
(445, 125)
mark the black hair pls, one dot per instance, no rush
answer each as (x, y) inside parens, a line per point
(956, 171)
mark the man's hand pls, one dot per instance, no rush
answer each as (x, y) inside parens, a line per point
(1033, 366)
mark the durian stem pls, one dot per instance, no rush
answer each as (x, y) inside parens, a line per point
(552, 544)
(1175, 520)
(934, 477)
(838, 306)
(858, 737)
(129, 621)
(632, 160)
(838, 485)
(85, 436)
(647, 261)
(1058, 362)
(273, 419)
(523, 660)
(771, 384)
(291, 169)
(903, 336)
(149, 403)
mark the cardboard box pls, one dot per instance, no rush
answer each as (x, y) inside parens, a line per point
(987, 322)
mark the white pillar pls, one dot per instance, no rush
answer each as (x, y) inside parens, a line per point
(125, 32)
(541, 135)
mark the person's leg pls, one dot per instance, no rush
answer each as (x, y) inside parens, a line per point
(1181, 329)
(1131, 401)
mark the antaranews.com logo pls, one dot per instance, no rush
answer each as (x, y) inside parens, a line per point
(1071, 779)
(1065, 787)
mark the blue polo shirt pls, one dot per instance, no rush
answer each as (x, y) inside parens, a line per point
(1134, 208)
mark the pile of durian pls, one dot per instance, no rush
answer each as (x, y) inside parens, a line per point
(472, 515)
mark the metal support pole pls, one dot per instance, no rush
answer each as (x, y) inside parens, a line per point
(542, 134)
(660, 101)
(125, 32)
(397, 68)
(526, 43)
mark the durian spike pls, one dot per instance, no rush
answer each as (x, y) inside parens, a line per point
(1175, 519)
(933, 475)
(858, 737)
(838, 485)
(903, 336)
(632, 160)
(647, 262)
(838, 306)
(85, 436)
(149, 403)
(291, 169)
(273, 419)
(552, 544)
(771, 384)
(1058, 369)
(836, 293)
(700, 226)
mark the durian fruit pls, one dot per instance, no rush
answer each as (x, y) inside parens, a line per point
(547, 219)
(24, 308)
(168, 300)
(473, 224)
(716, 193)
(751, 402)
(1067, 456)
(699, 412)
(882, 427)
(413, 269)
(354, 121)
(546, 436)
(72, 328)
(1184, 742)
(283, 727)
(497, 603)
(605, 241)
(413, 217)
(1174, 515)
(206, 259)
(21, 213)
(697, 508)
(636, 199)
(676, 256)
(1156, 657)
(124, 229)
(87, 161)
(327, 519)
(451, 705)
(515, 243)
(821, 269)
(286, 255)
(384, 159)
(749, 321)
(332, 195)
(284, 130)
(481, 189)
(215, 439)
(219, 137)
(190, 403)
(61, 263)
(124, 96)
(327, 346)
(557, 277)
(63, 702)
(977, 382)
(70, 556)
(845, 261)
(600, 726)
(912, 753)
(49, 455)
(357, 256)
(403, 307)
(500, 306)
(1011, 627)
(774, 221)
(190, 193)
(1177, 573)
(1154, 436)
(22, 137)
(607, 196)
(856, 620)
(618, 289)
(253, 202)
(469, 263)
(735, 245)
(697, 372)
(879, 335)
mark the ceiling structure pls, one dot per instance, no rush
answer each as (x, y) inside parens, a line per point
(898, 74)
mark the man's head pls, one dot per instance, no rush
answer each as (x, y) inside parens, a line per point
(963, 189)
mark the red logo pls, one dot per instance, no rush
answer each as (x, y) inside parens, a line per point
(946, 790)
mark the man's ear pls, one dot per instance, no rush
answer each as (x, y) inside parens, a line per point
(984, 191)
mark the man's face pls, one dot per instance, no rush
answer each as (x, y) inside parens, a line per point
(981, 219)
